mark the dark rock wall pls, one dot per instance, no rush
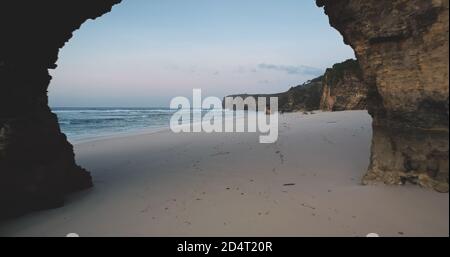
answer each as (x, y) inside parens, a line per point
(403, 49)
(37, 166)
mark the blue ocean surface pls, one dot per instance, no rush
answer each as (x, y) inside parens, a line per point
(88, 123)
(83, 124)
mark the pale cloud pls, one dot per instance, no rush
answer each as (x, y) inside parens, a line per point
(292, 70)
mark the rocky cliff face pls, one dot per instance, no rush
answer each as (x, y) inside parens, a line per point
(304, 97)
(401, 45)
(37, 166)
(403, 49)
(340, 88)
(343, 88)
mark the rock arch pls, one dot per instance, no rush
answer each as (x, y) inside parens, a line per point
(402, 46)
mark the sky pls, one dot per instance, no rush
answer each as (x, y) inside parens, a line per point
(145, 52)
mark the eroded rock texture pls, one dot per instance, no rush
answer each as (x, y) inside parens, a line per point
(403, 49)
(37, 166)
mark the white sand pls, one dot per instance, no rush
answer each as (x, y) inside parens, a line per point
(166, 184)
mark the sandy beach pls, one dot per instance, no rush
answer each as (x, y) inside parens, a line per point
(306, 184)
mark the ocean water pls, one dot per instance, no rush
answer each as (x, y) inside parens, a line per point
(82, 124)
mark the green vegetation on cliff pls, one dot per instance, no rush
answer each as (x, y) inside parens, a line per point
(317, 93)
(337, 72)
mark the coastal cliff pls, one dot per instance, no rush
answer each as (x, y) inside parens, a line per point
(343, 88)
(340, 88)
(305, 97)
(37, 166)
(402, 47)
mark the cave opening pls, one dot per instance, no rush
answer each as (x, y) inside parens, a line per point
(37, 163)
(119, 72)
